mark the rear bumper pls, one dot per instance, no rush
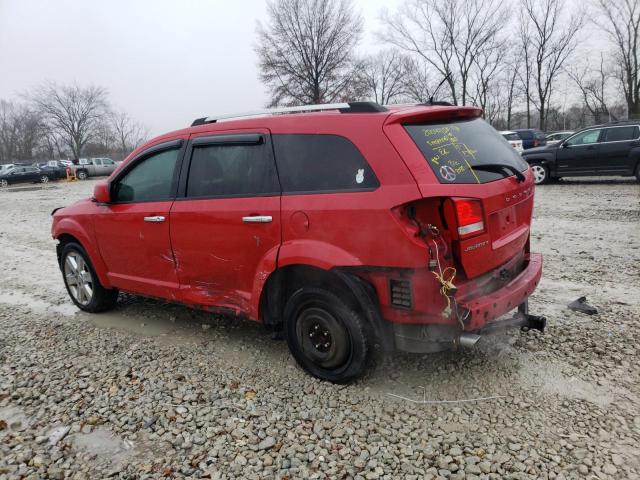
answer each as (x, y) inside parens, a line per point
(484, 309)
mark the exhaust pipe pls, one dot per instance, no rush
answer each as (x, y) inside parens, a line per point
(468, 340)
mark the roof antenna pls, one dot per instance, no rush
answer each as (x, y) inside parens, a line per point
(431, 100)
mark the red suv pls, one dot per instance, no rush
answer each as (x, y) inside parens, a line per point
(346, 226)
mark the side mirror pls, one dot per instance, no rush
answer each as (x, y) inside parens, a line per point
(101, 192)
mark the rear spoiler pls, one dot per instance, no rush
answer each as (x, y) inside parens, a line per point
(432, 113)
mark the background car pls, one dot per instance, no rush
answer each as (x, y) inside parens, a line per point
(94, 167)
(556, 137)
(611, 149)
(54, 168)
(6, 167)
(531, 137)
(23, 174)
(514, 140)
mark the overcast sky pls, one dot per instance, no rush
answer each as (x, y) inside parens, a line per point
(165, 62)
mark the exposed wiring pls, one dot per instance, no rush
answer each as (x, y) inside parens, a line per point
(424, 400)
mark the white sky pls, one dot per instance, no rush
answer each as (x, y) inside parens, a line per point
(165, 62)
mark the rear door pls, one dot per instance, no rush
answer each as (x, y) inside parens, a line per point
(225, 225)
(578, 155)
(615, 148)
(133, 230)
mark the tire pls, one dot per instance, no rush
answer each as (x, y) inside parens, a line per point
(82, 175)
(44, 179)
(638, 172)
(325, 336)
(540, 173)
(77, 270)
(4, 183)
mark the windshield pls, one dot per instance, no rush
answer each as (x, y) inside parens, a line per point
(453, 148)
(511, 136)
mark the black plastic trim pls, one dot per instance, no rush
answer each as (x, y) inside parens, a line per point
(364, 107)
(241, 139)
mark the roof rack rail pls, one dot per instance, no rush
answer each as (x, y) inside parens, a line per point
(351, 107)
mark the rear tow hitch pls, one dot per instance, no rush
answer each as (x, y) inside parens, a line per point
(534, 322)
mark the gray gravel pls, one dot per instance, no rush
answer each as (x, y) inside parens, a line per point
(152, 390)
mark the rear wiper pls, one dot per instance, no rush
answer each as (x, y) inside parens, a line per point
(500, 168)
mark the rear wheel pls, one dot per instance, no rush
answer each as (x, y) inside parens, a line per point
(540, 173)
(638, 172)
(4, 183)
(326, 336)
(44, 179)
(82, 283)
(82, 175)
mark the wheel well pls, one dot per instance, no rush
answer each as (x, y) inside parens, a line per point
(63, 240)
(353, 290)
(282, 283)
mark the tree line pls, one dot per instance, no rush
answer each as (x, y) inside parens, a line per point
(518, 60)
(56, 121)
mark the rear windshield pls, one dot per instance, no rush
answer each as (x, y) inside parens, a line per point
(452, 149)
(511, 136)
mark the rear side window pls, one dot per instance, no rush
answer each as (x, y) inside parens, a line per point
(149, 180)
(227, 170)
(618, 134)
(321, 163)
(453, 149)
(540, 135)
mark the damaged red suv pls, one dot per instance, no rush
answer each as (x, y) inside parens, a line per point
(348, 227)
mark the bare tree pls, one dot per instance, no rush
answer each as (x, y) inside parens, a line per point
(489, 63)
(20, 132)
(549, 39)
(593, 85)
(418, 83)
(127, 132)
(306, 50)
(621, 21)
(75, 113)
(383, 76)
(448, 35)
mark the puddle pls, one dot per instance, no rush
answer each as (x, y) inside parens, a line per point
(14, 417)
(550, 378)
(106, 446)
(37, 305)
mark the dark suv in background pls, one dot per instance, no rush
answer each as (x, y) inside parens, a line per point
(611, 149)
(531, 138)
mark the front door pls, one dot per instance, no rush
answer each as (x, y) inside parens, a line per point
(615, 150)
(225, 230)
(578, 155)
(133, 230)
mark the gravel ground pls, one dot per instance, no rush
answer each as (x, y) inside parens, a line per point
(152, 390)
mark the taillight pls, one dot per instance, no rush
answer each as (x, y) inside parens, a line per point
(536, 142)
(470, 220)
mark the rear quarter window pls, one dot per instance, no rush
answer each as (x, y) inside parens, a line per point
(321, 163)
(453, 149)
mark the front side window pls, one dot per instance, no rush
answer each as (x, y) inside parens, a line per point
(149, 180)
(585, 138)
(228, 170)
(620, 134)
(457, 151)
(107, 161)
(321, 163)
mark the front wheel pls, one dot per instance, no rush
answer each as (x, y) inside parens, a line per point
(326, 336)
(4, 183)
(44, 179)
(540, 173)
(82, 283)
(82, 175)
(638, 172)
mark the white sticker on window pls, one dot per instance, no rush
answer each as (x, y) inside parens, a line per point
(360, 175)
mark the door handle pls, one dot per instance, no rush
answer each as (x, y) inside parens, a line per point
(258, 219)
(154, 219)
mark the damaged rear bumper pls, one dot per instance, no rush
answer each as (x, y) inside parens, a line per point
(481, 314)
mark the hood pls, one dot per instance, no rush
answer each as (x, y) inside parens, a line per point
(544, 148)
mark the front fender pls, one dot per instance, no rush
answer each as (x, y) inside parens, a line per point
(70, 226)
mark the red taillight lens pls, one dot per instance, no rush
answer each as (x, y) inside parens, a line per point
(469, 216)
(536, 143)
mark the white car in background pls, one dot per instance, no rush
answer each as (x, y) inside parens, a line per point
(514, 139)
(556, 137)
